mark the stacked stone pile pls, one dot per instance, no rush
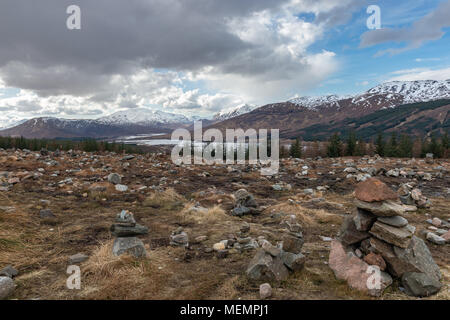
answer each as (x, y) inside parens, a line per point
(276, 262)
(410, 195)
(378, 235)
(126, 231)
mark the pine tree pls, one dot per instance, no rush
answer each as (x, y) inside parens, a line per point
(296, 149)
(380, 145)
(335, 146)
(435, 148)
(391, 148)
(351, 144)
(405, 147)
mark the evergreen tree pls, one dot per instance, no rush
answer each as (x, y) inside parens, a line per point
(405, 147)
(351, 144)
(296, 149)
(380, 145)
(335, 146)
(391, 148)
(435, 148)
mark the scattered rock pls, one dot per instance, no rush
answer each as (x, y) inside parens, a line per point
(435, 238)
(265, 291)
(7, 287)
(78, 258)
(46, 213)
(266, 268)
(9, 271)
(114, 178)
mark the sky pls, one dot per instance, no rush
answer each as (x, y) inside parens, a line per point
(199, 57)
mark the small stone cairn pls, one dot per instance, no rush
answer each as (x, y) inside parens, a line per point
(126, 231)
(378, 235)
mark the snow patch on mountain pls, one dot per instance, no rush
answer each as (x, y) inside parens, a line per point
(403, 91)
(234, 112)
(143, 116)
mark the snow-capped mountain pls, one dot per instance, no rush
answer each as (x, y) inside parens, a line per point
(234, 112)
(143, 116)
(397, 92)
(415, 91)
(313, 102)
(10, 122)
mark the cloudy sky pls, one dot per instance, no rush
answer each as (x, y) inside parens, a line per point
(202, 56)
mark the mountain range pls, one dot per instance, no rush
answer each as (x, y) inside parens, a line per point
(416, 107)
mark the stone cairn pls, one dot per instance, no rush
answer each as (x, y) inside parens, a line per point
(378, 235)
(126, 231)
(276, 262)
(245, 204)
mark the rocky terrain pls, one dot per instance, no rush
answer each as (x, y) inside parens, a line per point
(140, 227)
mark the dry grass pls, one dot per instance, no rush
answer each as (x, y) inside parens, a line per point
(168, 199)
(212, 215)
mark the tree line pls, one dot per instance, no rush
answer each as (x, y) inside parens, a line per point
(396, 146)
(88, 145)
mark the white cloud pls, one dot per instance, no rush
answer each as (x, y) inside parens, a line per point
(421, 74)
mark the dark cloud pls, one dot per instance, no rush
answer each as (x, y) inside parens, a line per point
(117, 37)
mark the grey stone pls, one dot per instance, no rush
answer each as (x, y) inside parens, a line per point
(114, 178)
(78, 258)
(179, 239)
(9, 271)
(7, 287)
(395, 221)
(292, 244)
(420, 284)
(119, 230)
(266, 268)
(265, 291)
(270, 249)
(126, 218)
(387, 208)
(121, 188)
(435, 238)
(293, 261)
(132, 245)
(400, 237)
(363, 220)
(349, 235)
(46, 213)
(417, 258)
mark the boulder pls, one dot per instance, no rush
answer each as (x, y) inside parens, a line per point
(373, 190)
(266, 268)
(420, 284)
(347, 267)
(131, 245)
(270, 249)
(400, 237)
(349, 235)
(387, 208)
(7, 287)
